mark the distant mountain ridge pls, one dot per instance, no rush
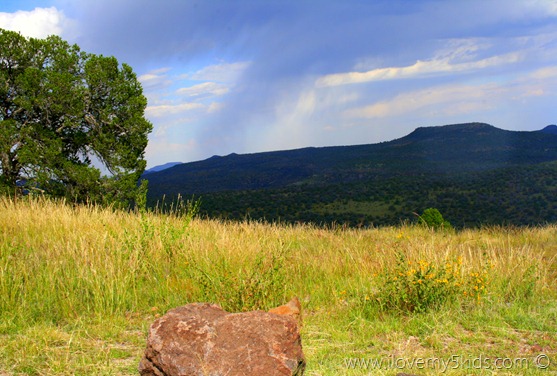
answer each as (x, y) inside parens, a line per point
(444, 149)
(442, 153)
(161, 167)
(550, 129)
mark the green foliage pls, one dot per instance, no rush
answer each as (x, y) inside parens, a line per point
(433, 218)
(141, 197)
(503, 178)
(64, 114)
(473, 200)
(423, 285)
(526, 289)
(259, 285)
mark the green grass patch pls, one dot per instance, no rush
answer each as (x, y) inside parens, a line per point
(80, 285)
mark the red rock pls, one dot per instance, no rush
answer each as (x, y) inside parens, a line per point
(292, 308)
(202, 339)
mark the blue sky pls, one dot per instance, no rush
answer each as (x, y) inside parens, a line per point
(245, 76)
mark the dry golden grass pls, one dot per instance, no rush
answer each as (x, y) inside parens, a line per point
(79, 287)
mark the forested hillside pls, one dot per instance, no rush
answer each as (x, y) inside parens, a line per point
(473, 173)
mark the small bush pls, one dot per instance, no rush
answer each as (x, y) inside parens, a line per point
(420, 286)
(261, 285)
(433, 218)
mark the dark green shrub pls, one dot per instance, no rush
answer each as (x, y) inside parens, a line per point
(433, 218)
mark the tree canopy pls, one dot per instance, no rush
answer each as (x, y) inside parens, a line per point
(67, 115)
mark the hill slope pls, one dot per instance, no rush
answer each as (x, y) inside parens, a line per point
(363, 176)
(550, 129)
(162, 167)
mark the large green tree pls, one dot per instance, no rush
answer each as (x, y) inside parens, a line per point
(67, 115)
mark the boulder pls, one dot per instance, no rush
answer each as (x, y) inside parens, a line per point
(292, 308)
(203, 339)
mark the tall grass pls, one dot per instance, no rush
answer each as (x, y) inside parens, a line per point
(61, 265)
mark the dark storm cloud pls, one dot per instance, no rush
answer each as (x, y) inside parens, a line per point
(317, 33)
(364, 71)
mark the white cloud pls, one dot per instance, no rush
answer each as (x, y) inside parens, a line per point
(533, 92)
(155, 79)
(459, 99)
(38, 23)
(225, 72)
(215, 107)
(544, 73)
(538, 83)
(306, 104)
(419, 69)
(454, 99)
(542, 7)
(293, 123)
(171, 109)
(203, 90)
(154, 74)
(159, 151)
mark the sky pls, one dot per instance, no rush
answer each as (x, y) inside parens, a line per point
(246, 76)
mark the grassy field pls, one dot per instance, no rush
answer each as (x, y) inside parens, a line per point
(79, 287)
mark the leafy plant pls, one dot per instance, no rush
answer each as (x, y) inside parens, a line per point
(420, 286)
(141, 197)
(64, 113)
(259, 286)
(433, 218)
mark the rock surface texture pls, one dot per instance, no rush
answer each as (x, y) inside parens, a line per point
(201, 339)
